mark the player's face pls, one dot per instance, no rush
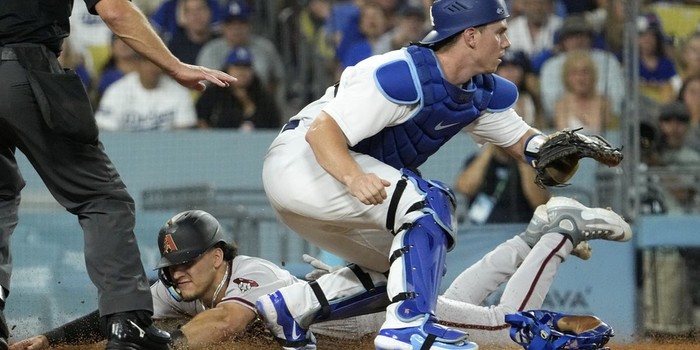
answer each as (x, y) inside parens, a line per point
(195, 278)
(492, 45)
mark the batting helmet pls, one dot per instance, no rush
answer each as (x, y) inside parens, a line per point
(186, 236)
(450, 17)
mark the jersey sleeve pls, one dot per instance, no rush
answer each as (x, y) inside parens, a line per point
(253, 278)
(360, 108)
(502, 128)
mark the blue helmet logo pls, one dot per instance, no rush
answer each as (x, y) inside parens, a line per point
(450, 17)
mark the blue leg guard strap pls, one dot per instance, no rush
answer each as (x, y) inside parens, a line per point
(374, 299)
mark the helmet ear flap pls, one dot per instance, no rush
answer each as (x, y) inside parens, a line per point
(164, 277)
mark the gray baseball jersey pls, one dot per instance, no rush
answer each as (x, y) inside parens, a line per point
(250, 278)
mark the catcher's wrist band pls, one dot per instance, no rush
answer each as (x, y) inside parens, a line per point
(532, 148)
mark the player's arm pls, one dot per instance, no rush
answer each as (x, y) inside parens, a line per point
(83, 330)
(129, 24)
(213, 326)
(330, 148)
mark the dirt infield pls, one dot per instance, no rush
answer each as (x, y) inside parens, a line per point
(366, 344)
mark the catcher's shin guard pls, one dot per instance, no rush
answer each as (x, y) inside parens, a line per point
(418, 264)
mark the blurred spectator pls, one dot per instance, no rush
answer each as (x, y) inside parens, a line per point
(656, 69)
(304, 42)
(515, 67)
(245, 104)
(690, 96)
(91, 39)
(579, 6)
(236, 31)
(534, 31)
(146, 99)
(674, 123)
(581, 106)
(194, 31)
(122, 60)
(577, 34)
(344, 24)
(373, 24)
(688, 62)
(168, 17)
(410, 27)
(676, 156)
(610, 26)
(498, 188)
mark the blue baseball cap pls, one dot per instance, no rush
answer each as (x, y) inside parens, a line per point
(236, 11)
(239, 56)
(450, 17)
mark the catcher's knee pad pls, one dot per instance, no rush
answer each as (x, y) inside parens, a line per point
(547, 330)
(438, 201)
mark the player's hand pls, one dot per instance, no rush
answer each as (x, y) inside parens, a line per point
(369, 188)
(34, 343)
(193, 77)
(320, 268)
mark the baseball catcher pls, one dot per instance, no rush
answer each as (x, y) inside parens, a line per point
(555, 157)
(547, 330)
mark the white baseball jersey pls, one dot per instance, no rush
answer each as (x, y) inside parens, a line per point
(127, 105)
(316, 205)
(250, 279)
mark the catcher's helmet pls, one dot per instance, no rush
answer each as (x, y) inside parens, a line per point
(186, 236)
(450, 17)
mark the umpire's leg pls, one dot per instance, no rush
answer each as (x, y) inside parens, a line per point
(83, 180)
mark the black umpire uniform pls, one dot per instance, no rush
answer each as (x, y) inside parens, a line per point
(46, 114)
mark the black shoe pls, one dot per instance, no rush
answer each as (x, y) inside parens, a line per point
(4, 332)
(134, 331)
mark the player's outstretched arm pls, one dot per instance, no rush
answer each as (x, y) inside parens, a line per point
(34, 343)
(83, 330)
(129, 24)
(213, 326)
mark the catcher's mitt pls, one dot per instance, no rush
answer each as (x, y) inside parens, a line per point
(547, 330)
(556, 161)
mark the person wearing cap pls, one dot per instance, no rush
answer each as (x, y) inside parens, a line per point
(343, 174)
(674, 155)
(245, 105)
(674, 125)
(656, 68)
(577, 34)
(237, 31)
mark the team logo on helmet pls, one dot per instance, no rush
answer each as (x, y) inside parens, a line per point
(169, 245)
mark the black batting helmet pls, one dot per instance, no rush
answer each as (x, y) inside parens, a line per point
(186, 236)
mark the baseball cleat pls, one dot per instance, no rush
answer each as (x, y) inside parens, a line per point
(581, 223)
(133, 331)
(416, 337)
(537, 227)
(286, 330)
